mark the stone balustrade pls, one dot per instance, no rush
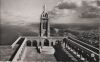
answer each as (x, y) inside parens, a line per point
(14, 44)
(20, 52)
(82, 52)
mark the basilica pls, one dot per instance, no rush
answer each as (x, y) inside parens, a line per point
(47, 48)
(44, 42)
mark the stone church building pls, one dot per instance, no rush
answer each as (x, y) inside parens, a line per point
(44, 38)
(44, 41)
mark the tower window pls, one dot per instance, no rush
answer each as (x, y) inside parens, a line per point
(44, 25)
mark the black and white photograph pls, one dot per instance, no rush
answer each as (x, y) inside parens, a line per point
(49, 30)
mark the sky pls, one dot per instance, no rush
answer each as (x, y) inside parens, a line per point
(69, 11)
(23, 12)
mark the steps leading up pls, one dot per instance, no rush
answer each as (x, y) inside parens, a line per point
(33, 55)
(47, 50)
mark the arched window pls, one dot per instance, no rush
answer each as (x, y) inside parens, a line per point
(51, 43)
(28, 43)
(34, 43)
(46, 42)
(39, 43)
(46, 15)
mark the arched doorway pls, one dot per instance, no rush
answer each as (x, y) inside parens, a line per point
(39, 43)
(51, 43)
(34, 43)
(46, 42)
(28, 43)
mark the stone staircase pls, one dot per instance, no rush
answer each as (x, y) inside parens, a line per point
(44, 56)
(47, 50)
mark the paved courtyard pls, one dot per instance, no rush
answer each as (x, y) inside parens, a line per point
(32, 55)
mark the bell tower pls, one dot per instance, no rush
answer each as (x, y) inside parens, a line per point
(44, 24)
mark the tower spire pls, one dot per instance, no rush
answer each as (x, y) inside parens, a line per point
(44, 7)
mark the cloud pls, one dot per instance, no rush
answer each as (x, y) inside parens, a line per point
(72, 12)
(89, 9)
(67, 5)
(24, 12)
(20, 12)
